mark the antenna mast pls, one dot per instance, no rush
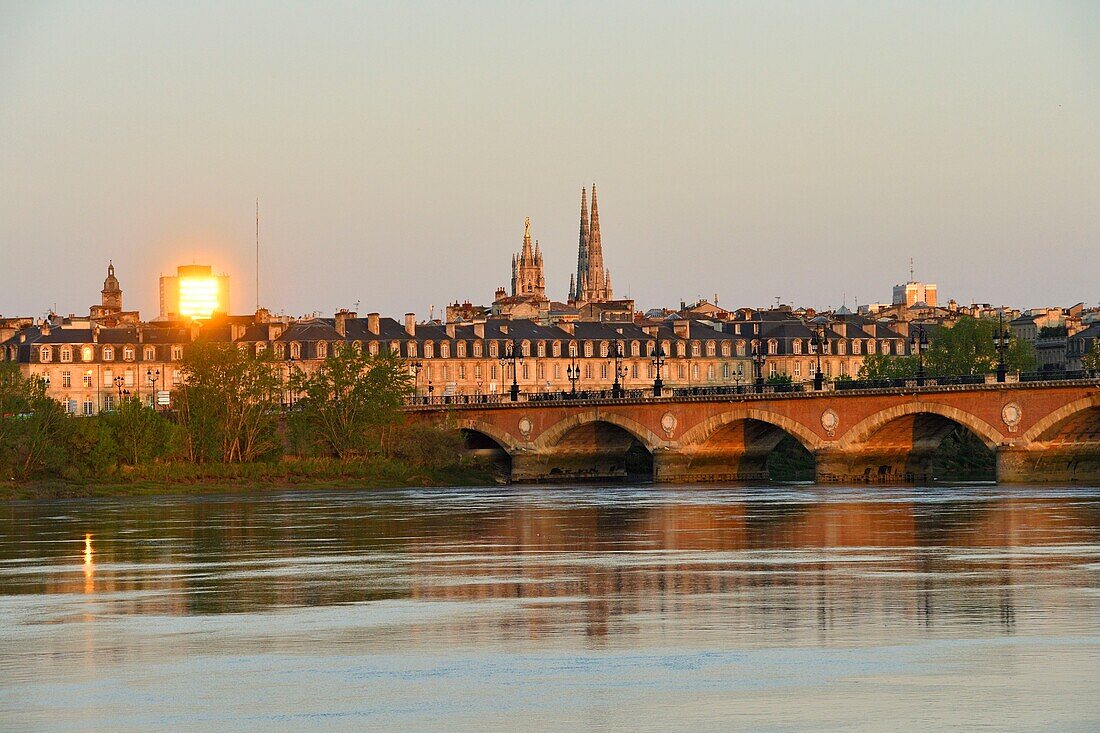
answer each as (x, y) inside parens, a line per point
(257, 254)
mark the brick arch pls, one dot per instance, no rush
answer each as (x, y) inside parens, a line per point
(1036, 431)
(553, 434)
(506, 441)
(699, 434)
(862, 431)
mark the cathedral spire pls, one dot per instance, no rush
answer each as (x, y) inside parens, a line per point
(582, 248)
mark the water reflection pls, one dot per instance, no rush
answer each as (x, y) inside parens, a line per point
(471, 572)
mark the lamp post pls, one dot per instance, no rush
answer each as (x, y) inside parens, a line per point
(658, 363)
(758, 360)
(919, 342)
(152, 377)
(1002, 346)
(573, 371)
(416, 365)
(620, 370)
(119, 381)
(819, 343)
(512, 354)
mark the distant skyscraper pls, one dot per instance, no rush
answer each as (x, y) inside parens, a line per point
(193, 292)
(593, 281)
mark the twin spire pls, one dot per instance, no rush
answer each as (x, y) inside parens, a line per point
(592, 282)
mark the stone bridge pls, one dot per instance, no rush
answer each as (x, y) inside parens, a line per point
(1040, 432)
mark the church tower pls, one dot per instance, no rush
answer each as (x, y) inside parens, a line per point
(527, 275)
(593, 282)
(111, 295)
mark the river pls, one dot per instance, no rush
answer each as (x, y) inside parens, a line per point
(773, 608)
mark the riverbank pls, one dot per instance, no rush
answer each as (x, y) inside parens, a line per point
(213, 478)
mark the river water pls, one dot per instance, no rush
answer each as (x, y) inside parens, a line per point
(555, 609)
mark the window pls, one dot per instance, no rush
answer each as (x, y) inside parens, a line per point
(634, 348)
(494, 349)
(557, 371)
(603, 371)
(460, 349)
(128, 378)
(445, 350)
(322, 349)
(695, 372)
(89, 406)
(66, 379)
(604, 349)
(525, 349)
(177, 352)
(373, 348)
(109, 402)
(680, 371)
(66, 354)
(695, 348)
(410, 349)
(477, 349)
(108, 353)
(128, 353)
(710, 348)
(525, 374)
(772, 369)
(429, 349)
(588, 348)
(461, 371)
(796, 346)
(295, 350)
(798, 369)
(88, 379)
(541, 349)
(710, 372)
(150, 354)
(725, 371)
(841, 347)
(740, 348)
(45, 354)
(557, 348)
(681, 349)
(261, 347)
(773, 346)
(855, 346)
(634, 370)
(279, 348)
(87, 353)
(725, 348)
(588, 371)
(477, 371)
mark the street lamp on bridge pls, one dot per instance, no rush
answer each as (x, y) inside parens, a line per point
(1002, 346)
(919, 342)
(573, 371)
(512, 354)
(658, 362)
(819, 342)
(758, 360)
(620, 370)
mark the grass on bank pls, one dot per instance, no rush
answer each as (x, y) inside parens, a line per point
(303, 473)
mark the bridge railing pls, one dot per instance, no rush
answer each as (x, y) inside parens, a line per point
(847, 385)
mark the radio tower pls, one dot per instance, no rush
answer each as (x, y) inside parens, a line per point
(257, 254)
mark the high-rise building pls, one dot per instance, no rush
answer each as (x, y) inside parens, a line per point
(593, 281)
(913, 292)
(193, 292)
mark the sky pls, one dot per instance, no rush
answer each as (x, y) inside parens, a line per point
(754, 150)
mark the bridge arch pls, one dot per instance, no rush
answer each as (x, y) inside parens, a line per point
(501, 437)
(595, 444)
(743, 444)
(903, 443)
(864, 430)
(1078, 419)
(554, 434)
(702, 432)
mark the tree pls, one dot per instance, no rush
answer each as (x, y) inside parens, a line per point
(346, 403)
(970, 348)
(1090, 362)
(229, 404)
(32, 425)
(140, 432)
(881, 367)
(779, 380)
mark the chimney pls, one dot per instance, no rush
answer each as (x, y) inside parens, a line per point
(341, 319)
(567, 326)
(682, 328)
(479, 329)
(650, 330)
(504, 328)
(274, 330)
(195, 328)
(410, 323)
(45, 328)
(450, 330)
(95, 334)
(373, 324)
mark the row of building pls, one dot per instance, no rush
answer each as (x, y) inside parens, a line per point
(590, 341)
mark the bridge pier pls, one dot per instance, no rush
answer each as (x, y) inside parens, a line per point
(869, 466)
(1049, 464)
(687, 466)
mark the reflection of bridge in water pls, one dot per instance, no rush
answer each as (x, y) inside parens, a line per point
(1040, 432)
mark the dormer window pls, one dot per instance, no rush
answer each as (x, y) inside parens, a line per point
(128, 353)
(322, 350)
(45, 354)
(87, 353)
(66, 354)
(149, 353)
(108, 353)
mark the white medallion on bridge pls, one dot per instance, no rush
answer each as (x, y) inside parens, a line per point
(830, 420)
(668, 423)
(1010, 415)
(525, 427)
